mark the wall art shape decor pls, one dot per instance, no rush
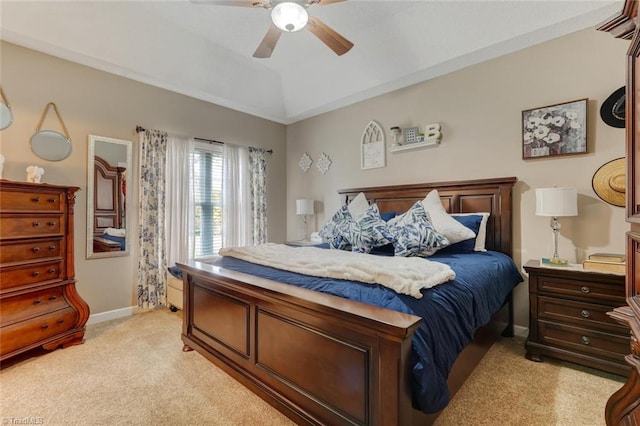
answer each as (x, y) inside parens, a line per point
(410, 135)
(553, 130)
(372, 150)
(305, 162)
(324, 163)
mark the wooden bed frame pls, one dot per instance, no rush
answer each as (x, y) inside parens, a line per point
(322, 359)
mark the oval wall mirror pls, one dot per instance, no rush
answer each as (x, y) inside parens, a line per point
(49, 144)
(6, 115)
(108, 164)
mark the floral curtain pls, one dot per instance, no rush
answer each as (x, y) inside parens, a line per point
(152, 272)
(258, 190)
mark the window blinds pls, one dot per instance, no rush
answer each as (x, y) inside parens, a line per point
(206, 166)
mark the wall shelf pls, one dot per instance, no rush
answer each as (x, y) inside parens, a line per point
(414, 145)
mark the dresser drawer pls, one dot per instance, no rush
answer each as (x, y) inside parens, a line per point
(11, 277)
(34, 330)
(31, 226)
(587, 315)
(26, 250)
(29, 305)
(576, 339)
(28, 201)
(586, 290)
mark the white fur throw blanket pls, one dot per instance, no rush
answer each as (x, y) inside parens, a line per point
(405, 275)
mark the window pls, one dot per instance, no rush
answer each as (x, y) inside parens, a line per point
(206, 180)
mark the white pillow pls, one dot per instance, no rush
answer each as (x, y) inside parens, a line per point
(481, 238)
(358, 206)
(453, 230)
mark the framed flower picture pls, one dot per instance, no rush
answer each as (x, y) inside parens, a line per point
(552, 130)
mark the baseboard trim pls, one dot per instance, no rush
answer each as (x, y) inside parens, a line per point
(520, 331)
(111, 315)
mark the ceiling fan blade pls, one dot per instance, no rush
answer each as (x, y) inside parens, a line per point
(332, 39)
(324, 2)
(268, 43)
(240, 3)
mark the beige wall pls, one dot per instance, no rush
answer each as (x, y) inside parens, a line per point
(480, 111)
(479, 108)
(98, 103)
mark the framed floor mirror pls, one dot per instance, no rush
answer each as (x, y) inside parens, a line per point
(108, 164)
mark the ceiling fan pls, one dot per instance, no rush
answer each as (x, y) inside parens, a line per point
(290, 16)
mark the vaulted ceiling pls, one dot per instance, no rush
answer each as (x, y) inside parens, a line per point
(205, 51)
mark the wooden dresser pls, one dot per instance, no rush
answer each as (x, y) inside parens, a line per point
(39, 304)
(568, 317)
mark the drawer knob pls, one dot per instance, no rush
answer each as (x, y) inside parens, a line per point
(35, 273)
(585, 289)
(36, 199)
(586, 340)
(35, 249)
(45, 326)
(36, 224)
(585, 313)
(52, 270)
(51, 223)
(60, 321)
(37, 302)
(53, 297)
(51, 200)
(52, 248)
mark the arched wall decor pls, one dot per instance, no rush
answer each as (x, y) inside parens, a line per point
(372, 147)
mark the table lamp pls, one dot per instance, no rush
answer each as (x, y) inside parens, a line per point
(556, 202)
(304, 207)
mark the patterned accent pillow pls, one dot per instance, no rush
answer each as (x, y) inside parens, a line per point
(367, 231)
(414, 234)
(331, 233)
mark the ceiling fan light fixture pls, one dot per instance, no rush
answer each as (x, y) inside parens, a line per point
(289, 16)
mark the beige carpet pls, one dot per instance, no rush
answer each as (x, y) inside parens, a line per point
(133, 372)
(508, 389)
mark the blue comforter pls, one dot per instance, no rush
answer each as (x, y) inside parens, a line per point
(452, 311)
(119, 240)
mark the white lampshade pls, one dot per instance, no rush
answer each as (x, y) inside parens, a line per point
(289, 16)
(556, 202)
(304, 207)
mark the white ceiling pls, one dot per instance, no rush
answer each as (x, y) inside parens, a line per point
(205, 51)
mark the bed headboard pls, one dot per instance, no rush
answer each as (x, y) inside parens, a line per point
(469, 196)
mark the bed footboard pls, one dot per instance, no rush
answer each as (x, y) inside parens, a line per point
(317, 358)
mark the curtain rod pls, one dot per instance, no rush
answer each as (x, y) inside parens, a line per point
(142, 129)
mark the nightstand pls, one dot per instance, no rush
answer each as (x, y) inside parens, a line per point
(568, 317)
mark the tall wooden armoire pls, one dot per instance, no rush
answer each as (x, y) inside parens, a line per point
(624, 406)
